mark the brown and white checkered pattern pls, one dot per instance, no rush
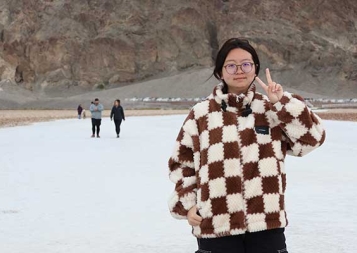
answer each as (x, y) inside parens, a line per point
(234, 174)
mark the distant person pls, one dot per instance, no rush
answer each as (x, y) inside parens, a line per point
(96, 110)
(228, 162)
(118, 114)
(79, 110)
(84, 113)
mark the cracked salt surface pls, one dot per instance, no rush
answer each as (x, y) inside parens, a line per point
(61, 191)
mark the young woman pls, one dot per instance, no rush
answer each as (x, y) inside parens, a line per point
(228, 163)
(118, 114)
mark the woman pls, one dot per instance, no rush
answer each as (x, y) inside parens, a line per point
(118, 114)
(228, 164)
(79, 111)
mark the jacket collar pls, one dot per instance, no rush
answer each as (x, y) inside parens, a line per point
(239, 102)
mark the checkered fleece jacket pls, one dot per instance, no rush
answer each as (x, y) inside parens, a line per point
(232, 165)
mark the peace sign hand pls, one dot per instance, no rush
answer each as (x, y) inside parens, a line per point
(274, 90)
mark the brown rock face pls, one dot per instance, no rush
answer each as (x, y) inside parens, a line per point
(62, 45)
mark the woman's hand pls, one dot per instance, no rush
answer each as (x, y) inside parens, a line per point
(274, 90)
(193, 218)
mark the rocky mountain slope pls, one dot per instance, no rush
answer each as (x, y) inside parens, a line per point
(59, 48)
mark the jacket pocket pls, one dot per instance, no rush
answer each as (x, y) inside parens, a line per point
(283, 251)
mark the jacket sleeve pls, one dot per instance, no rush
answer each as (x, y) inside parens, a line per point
(91, 108)
(303, 129)
(122, 111)
(182, 169)
(100, 107)
(112, 112)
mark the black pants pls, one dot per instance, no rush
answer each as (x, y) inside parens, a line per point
(117, 123)
(96, 124)
(269, 241)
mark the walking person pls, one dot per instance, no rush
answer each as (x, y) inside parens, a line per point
(118, 114)
(96, 110)
(228, 163)
(79, 111)
(84, 113)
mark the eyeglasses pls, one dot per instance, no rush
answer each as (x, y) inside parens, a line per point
(232, 68)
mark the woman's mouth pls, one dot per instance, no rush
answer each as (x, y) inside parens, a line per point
(239, 78)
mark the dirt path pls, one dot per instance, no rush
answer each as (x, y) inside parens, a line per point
(339, 114)
(10, 118)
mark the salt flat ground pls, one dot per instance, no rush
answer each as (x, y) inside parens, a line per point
(61, 191)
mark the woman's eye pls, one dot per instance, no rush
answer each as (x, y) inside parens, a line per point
(246, 64)
(231, 66)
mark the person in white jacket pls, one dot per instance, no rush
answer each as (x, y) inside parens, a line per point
(96, 110)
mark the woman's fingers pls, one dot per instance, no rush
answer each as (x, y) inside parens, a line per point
(194, 223)
(275, 87)
(271, 89)
(267, 73)
(193, 218)
(274, 90)
(264, 86)
(196, 217)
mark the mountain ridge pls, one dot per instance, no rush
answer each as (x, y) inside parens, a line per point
(62, 48)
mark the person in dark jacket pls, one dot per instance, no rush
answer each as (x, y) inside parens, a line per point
(118, 114)
(79, 110)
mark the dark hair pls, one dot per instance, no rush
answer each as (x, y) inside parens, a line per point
(118, 100)
(96, 99)
(228, 46)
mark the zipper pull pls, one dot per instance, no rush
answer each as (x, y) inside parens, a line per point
(239, 97)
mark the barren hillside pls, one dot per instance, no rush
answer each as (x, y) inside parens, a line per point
(62, 48)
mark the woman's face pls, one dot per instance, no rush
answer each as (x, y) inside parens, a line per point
(238, 81)
(116, 103)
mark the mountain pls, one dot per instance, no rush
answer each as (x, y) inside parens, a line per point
(60, 48)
